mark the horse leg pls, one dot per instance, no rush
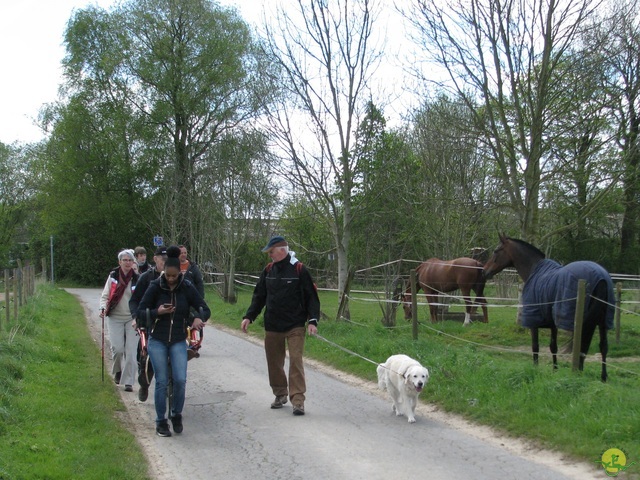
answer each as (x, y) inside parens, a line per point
(535, 345)
(553, 346)
(480, 300)
(468, 308)
(433, 308)
(596, 316)
(604, 348)
(433, 313)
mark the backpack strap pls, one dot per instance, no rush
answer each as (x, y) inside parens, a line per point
(298, 266)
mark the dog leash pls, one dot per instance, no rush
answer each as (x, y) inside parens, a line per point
(345, 349)
(350, 352)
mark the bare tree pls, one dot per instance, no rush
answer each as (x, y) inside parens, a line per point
(240, 200)
(501, 58)
(615, 44)
(326, 55)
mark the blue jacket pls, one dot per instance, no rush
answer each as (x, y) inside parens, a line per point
(549, 295)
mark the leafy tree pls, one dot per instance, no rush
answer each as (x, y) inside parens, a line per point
(14, 196)
(188, 70)
(89, 194)
(453, 179)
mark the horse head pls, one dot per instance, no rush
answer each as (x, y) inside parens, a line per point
(512, 252)
(500, 259)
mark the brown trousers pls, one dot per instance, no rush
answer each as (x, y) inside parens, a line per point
(275, 347)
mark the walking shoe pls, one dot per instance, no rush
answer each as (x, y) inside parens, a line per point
(116, 377)
(298, 409)
(176, 421)
(279, 401)
(143, 394)
(162, 429)
(128, 388)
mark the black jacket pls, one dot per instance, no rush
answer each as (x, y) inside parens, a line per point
(290, 298)
(171, 328)
(141, 287)
(194, 275)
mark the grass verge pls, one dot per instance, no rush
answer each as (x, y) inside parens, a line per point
(57, 419)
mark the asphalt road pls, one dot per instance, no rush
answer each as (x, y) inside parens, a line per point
(348, 432)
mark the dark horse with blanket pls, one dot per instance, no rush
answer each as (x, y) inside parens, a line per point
(549, 295)
(437, 276)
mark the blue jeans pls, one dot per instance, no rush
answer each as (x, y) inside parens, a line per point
(158, 353)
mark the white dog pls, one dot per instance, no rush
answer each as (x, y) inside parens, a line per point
(404, 378)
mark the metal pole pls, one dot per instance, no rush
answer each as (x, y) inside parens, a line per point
(617, 315)
(7, 295)
(414, 303)
(51, 243)
(577, 324)
(102, 342)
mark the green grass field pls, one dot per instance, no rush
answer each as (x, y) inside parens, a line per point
(58, 420)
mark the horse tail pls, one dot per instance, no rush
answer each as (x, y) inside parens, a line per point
(398, 286)
(480, 282)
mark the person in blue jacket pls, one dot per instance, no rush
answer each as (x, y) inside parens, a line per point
(170, 299)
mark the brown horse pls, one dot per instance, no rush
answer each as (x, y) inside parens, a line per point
(437, 276)
(549, 295)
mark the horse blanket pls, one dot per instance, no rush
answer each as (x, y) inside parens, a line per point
(549, 295)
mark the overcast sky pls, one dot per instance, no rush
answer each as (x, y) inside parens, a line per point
(31, 37)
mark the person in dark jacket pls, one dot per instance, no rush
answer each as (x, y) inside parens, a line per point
(141, 260)
(191, 270)
(169, 299)
(145, 369)
(289, 297)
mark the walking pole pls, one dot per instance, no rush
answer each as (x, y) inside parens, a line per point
(102, 346)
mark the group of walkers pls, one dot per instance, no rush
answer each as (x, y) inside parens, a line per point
(166, 299)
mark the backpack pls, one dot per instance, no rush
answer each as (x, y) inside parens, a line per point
(298, 265)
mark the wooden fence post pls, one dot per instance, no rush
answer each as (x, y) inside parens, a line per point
(25, 285)
(414, 303)
(577, 324)
(15, 293)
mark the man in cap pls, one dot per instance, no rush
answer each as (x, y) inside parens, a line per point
(145, 371)
(286, 291)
